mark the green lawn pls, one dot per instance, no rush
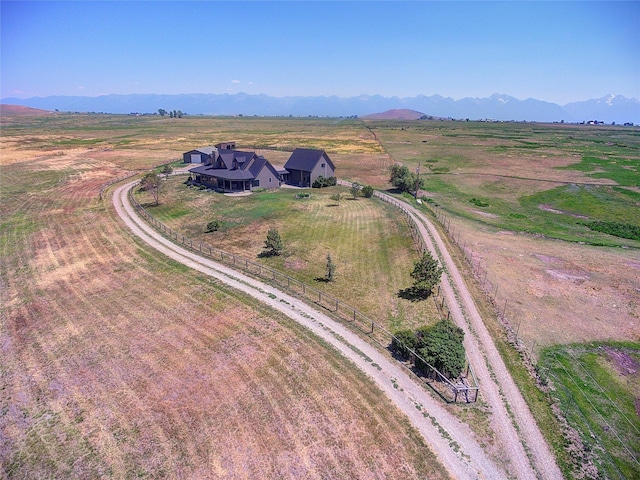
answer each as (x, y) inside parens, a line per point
(369, 243)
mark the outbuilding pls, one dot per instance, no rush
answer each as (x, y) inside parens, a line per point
(200, 155)
(305, 165)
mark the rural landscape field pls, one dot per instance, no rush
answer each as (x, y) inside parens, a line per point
(120, 362)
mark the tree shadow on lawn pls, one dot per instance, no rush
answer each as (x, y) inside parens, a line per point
(268, 254)
(322, 280)
(414, 294)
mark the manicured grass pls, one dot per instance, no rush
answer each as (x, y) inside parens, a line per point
(597, 386)
(368, 242)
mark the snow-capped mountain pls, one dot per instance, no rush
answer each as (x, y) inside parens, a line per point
(608, 109)
(612, 108)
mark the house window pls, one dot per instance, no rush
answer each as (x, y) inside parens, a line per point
(256, 183)
(269, 179)
(322, 165)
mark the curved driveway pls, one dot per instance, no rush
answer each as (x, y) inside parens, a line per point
(450, 439)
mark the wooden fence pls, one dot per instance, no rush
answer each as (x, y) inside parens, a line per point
(465, 387)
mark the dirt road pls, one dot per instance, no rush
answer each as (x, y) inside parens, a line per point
(525, 452)
(452, 440)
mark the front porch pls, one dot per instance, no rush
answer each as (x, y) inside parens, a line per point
(222, 184)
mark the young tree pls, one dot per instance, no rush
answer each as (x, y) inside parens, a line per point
(162, 112)
(166, 171)
(212, 226)
(151, 183)
(442, 347)
(336, 197)
(331, 269)
(355, 190)
(273, 244)
(426, 273)
(367, 191)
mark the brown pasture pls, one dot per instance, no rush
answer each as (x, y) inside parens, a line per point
(555, 292)
(118, 362)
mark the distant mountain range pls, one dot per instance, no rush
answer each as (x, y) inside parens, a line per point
(612, 108)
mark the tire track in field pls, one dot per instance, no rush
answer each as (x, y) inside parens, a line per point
(466, 460)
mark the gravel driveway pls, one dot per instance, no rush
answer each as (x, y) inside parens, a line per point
(452, 441)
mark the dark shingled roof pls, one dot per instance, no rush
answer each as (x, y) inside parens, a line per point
(247, 169)
(305, 159)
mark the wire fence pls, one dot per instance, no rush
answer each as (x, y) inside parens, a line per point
(489, 286)
(464, 388)
(114, 181)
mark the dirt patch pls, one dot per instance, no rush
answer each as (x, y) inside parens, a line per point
(295, 264)
(633, 264)
(624, 363)
(547, 208)
(547, 258)
(560, 275)
(485, 214)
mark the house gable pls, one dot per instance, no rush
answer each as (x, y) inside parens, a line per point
(305, 165)
(235, 170)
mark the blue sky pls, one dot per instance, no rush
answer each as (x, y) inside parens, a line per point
(554, 51)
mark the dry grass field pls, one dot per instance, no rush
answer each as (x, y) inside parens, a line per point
(529, 241)
(521, 197)
(116, 362)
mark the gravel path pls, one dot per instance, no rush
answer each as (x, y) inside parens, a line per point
(452, 440)
(525, 452)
